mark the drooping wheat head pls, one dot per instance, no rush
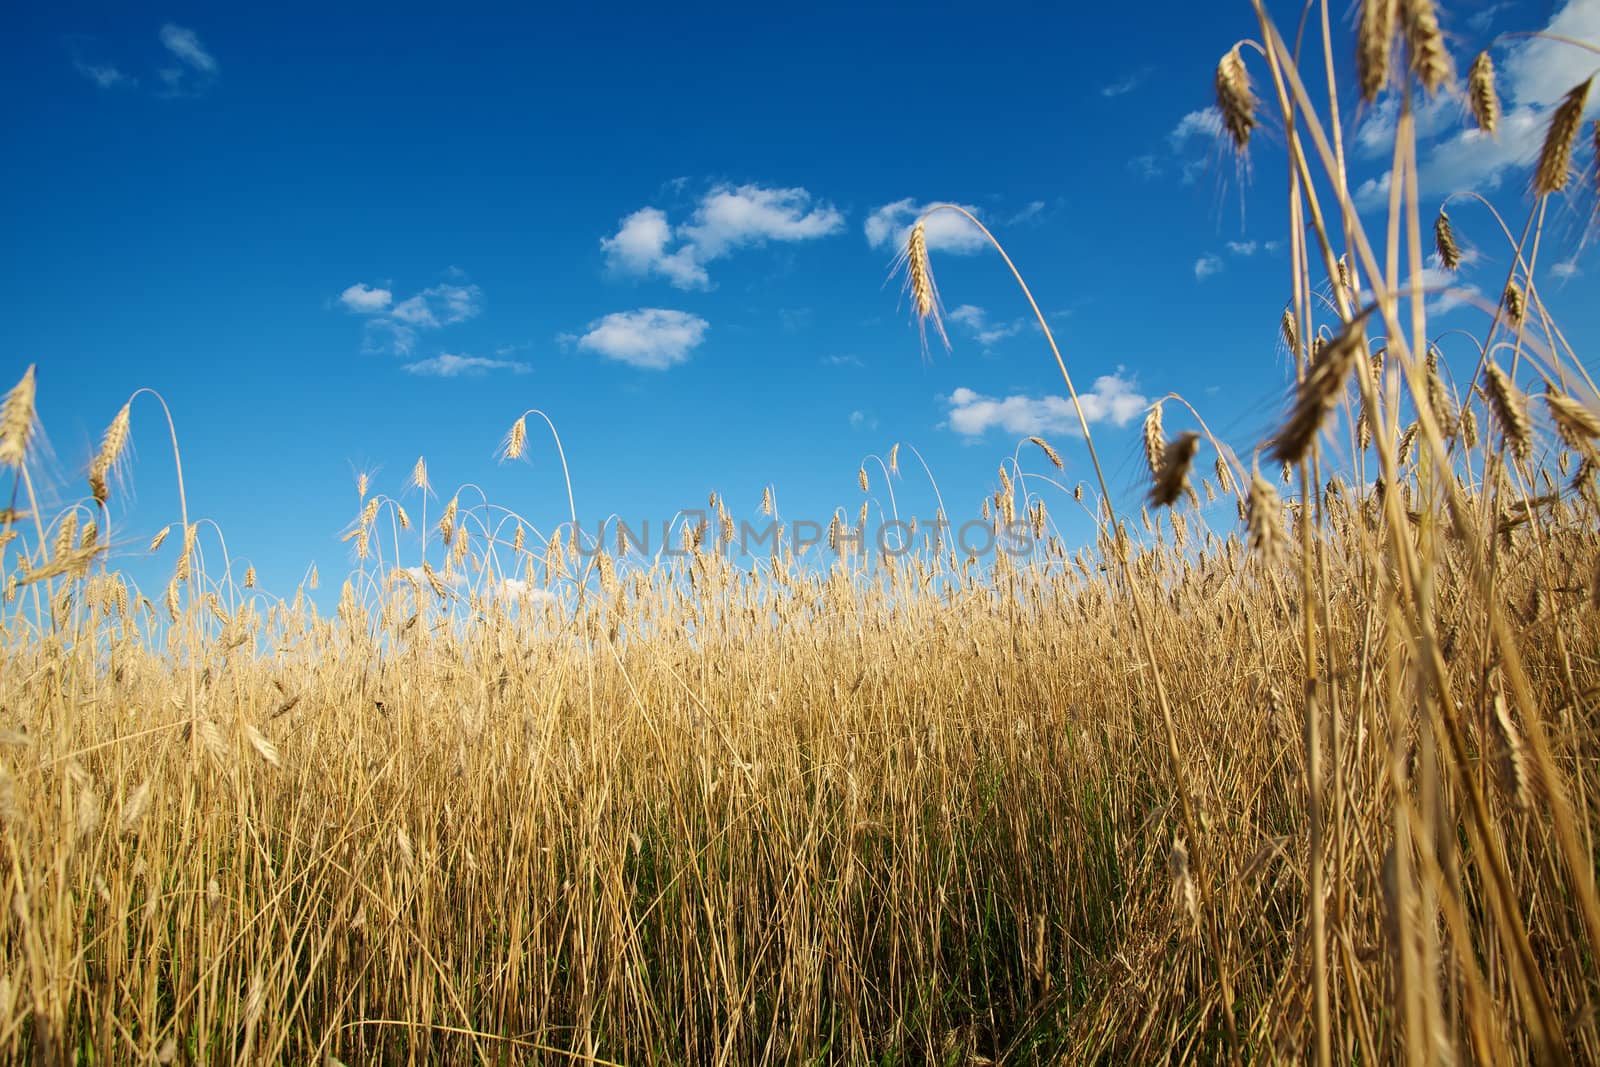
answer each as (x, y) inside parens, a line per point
(1444, 242)
(1235, 100)
(1555, 155)
(1155, 443)
(1516, 303)
(1172, 477)
(1264, 521)
(1576, 424)
(1319, 391)
(1050, 453)
(1510, 409)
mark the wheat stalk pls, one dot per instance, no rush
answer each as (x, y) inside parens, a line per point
(1172, 476)
(925, 303)
(1481, 95)
(1264, 521)
(1319, 391)
(1509, 408)
(1050, 453)
(1430, 60)
(1235, 100)
(1374, 43)
(105, 461)
(1444, 242)
(1555, 155)
(18, 421)
(516, 440)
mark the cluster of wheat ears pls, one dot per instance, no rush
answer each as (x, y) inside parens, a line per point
(1316, 780)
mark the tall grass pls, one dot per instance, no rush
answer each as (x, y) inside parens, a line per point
(1298, 765)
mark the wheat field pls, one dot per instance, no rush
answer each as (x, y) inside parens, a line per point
(1294, 760)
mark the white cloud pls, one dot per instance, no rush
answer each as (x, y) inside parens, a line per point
(1204, 125)
(1539, 71)
(860, 420)
(105, 76)
(1033, 213)
(365, 299)
(987, 333)
(1443, 290)
(1145, 167)
(1207, 123)
(726, 219)
(384, 334)
(197, 69)
(1206, 266)
(640, 247)
(1534, 75)
(1469, 159)
(946, 231)
(1480, 21)
(1374, 137)
(1567, 268)
(651, 338)
(439, 305)
(449, 365)
(517, 589)
(393, 327)
(185, 44)
(1112, 399)
(1242, 248)
(1125, 85)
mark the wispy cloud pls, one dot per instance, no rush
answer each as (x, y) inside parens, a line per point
(650, 338)
(1113, 399)
(1206, 266)
(725, 220)
(1205, 123)
(450, 365)
(439, 306)
(1443, 290)
(1123, 86)
(1246, 249)
(185, 44)
(1480, 21)
(197, 68)
(861, 420)
(393, 327)
(1145, 167)
(106, 76)
(1191, 144)
(1567, 268)
(945, 232)
(1032, 214)
(842, 361)
(976, 321)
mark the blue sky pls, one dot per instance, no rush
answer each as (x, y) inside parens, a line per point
(339, 237)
